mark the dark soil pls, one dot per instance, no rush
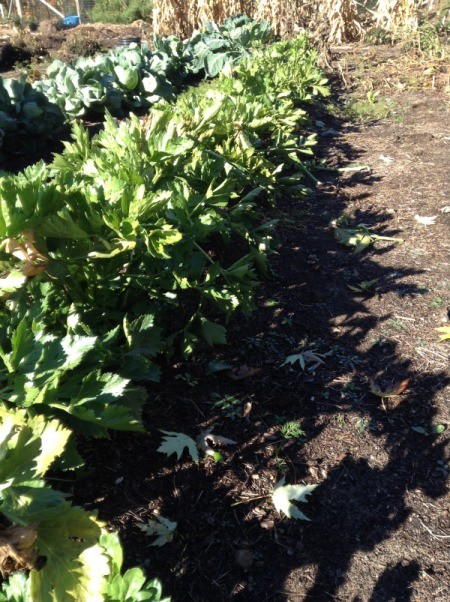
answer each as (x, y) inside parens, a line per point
(379, 519)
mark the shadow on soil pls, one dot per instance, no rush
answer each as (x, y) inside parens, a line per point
(365, 456)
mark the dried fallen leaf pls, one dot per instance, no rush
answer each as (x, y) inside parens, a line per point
(175, 443)
(162, 527)
(426, 220)
(242, 372)
(247, 409)
(206, 437)
(391, 391)
(17, 549)
(306, 357)
(283, 494)
(445, 330)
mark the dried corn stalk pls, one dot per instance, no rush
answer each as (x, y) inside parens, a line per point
(334, 21)
(338, 21)
(397, 16)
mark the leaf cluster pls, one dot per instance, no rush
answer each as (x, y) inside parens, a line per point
(27, 117)
(67, 554)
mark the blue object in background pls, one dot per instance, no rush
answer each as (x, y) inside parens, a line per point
(71, 21)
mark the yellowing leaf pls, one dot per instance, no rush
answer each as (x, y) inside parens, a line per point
(445, 332)
(175, 443)
(283, 494)
(76, 566)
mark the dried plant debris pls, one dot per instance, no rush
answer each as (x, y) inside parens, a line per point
(17, 550)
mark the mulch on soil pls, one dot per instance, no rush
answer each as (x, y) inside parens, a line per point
(379, 523)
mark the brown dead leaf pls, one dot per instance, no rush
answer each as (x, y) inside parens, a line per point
(393, 390)
(207, 438)
(35, 262)
(242, 372)
(17, 549)
(247, 409)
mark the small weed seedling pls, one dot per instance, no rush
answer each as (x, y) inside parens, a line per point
(438, 302)
(293, 430)
(229, 405)
(363, 287)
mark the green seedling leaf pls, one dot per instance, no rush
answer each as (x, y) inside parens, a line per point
(162, 528)
(362, 287)
(175, 443)
(283, 494)
(437, 429)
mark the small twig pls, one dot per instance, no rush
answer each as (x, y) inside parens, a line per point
(405, 318)
(443, 357)
(355, 168)
(433, 534)
(251, 499)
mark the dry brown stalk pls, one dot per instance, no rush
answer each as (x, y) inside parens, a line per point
(397, 16)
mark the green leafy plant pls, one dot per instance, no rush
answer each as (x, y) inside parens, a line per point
(50, 526)
(364, 286)
(292, 430)
(130, 586)
(63, 377)
(27, 117)
(229, 405)
(121, 11)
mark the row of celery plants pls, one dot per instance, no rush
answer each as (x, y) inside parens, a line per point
(122, 80)
(130, 247)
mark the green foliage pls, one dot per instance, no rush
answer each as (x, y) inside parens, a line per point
(121, 11)
(140, 220)
(27, 118)
(133, 585)
(16, 589)
(292, 430)
(218, 45)
(130, 243)
(66, 535)
(63, 376)
(132, 77)
(82, 564)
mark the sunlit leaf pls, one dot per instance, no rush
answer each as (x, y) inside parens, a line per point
(283, 495)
